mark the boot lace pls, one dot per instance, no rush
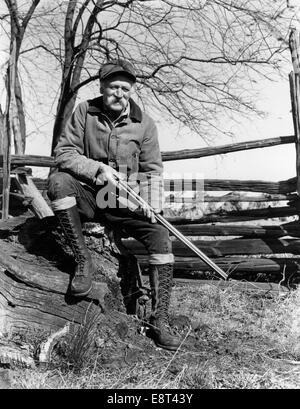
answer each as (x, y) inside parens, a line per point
(80, 260)
(165, 285)
(68, 231)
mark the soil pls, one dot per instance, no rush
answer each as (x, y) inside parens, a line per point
(223, 340)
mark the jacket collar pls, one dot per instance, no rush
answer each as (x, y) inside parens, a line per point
(96, 107)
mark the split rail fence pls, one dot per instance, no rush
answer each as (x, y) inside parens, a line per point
(261, 240)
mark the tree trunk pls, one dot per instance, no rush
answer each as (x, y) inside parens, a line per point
(2, 130)
(64, 111)
(20, 144)
(35, 272)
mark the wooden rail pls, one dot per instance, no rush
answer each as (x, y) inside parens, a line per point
(230, 148)
(48, 161)
(222, 248)
(283, 187)
(234, 198)
(233, 216)
(244, 230)
(233, 264)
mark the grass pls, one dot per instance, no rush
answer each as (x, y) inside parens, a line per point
(235, 340)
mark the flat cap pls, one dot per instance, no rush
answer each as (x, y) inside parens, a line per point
(117, 66)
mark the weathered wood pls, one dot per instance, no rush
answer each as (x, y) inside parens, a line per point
(281, 187)
(235, 216)
(230, 197)
(31, 160)
(48, 161)
(223, 216)
(26, 307)
(37, 203)
(236, 197)
(229, 148)
(11, 223)
(34, 292)
(47, 346)
(230, 216)
(234, 264)
(175, 185)
(245, 230)
(29, 273)
(221, 248)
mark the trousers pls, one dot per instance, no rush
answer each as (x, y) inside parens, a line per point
(65, 191)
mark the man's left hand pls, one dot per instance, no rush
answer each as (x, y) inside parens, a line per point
(147, 212)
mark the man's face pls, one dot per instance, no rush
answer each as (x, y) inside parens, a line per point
(116, 92)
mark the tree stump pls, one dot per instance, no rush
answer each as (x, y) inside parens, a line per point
(35, 274)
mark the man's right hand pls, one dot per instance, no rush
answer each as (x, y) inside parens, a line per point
(106, 173)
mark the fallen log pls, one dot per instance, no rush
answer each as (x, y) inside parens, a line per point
(35, 274)
(54, 281)
(26, 307)
(35, 293)
(12, 223)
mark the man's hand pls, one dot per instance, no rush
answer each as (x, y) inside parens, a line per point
(147, 212)
(106, 173)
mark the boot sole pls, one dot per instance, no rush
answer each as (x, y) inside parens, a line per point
(80, 295)
(169, 348)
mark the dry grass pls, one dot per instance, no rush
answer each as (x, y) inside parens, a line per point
(237, 340)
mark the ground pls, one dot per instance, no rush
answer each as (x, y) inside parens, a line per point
(232, 339)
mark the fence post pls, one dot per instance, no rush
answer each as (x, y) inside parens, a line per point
(294, 78)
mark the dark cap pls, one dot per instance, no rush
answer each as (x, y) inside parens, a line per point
(118, 66)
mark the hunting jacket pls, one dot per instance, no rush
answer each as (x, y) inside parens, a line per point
(130, 145)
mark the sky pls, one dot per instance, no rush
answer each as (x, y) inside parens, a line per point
(273, 164)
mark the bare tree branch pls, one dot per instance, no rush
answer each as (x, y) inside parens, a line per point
(29, 14)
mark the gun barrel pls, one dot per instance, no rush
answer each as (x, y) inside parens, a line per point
(121, 184)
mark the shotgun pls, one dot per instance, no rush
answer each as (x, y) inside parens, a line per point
(122, 185)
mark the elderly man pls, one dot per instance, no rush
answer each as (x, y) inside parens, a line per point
(106, 137)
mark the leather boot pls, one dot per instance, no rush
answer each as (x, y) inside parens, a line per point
(69, 220)
(160, 277)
